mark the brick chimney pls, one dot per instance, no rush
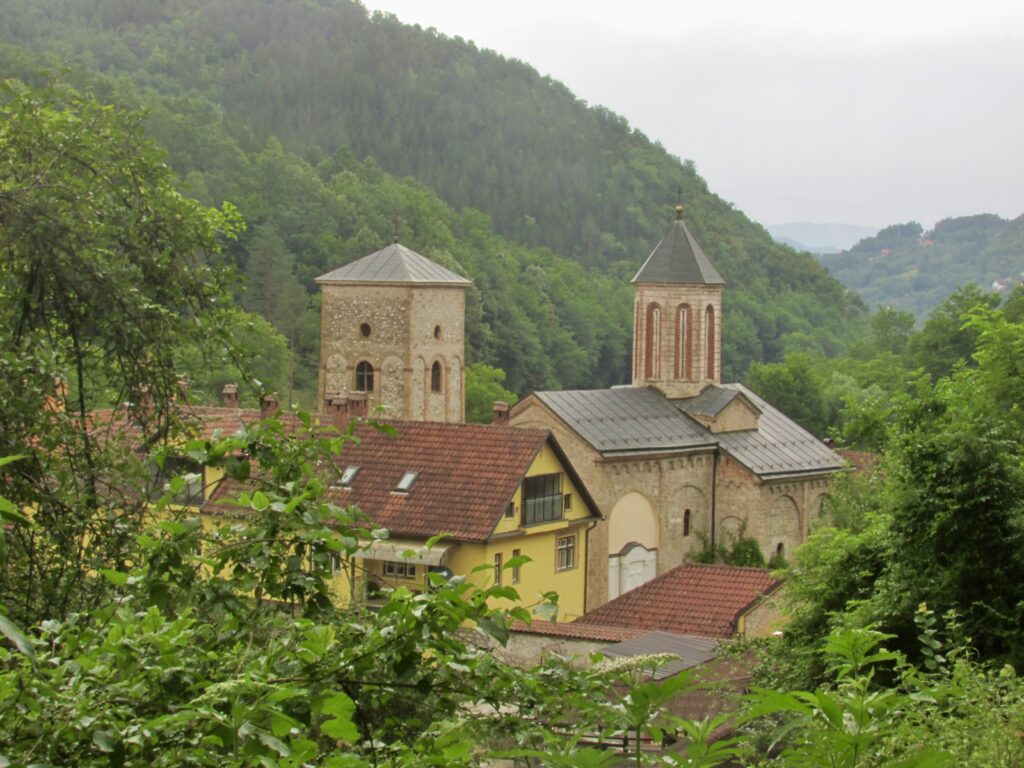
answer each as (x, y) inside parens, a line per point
(229, 396)
(336, 410)
(501, 410)
(358, 405)
(269, 406)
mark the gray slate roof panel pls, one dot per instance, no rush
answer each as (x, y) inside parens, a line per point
(641, 419)
(690, 649)
(626, 419)
(678, 259)
(393, 264)
(710, 402)
(778, 447)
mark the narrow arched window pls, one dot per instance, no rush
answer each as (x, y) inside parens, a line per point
(709, 324)
(686, 523)
(780, 551)
(435, 377)
(652, 347)
(364, 377)
(683, 345)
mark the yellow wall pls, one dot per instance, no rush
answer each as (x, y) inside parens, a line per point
(537, 542)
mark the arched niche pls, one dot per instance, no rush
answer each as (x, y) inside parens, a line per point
(782, 526)
(632, 519)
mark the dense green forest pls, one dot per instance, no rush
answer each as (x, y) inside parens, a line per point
(327, 145)
(131, 634)
(911, 270)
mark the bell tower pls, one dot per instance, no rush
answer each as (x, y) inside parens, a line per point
(677, 316)
(393, 327)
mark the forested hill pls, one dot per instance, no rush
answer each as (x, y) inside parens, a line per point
(911, 270)
(304, 113)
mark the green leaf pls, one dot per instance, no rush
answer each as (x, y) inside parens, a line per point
(340, 726)
(117, 578)
(15, 635)
(10, 513)
(259, 501)
(495, 627)
(104, 741)
(275, 744)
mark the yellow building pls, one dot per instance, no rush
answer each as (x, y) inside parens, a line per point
(493, 493)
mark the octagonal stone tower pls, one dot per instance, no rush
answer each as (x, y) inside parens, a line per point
(393, 326)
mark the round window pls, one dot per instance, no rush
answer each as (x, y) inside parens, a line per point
(365, 329)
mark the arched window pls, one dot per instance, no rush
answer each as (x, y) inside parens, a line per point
(435, 377)
(709, 324)
(780, 551)
(684, 344)
(686, 523)
(364, 377)
(652, 347)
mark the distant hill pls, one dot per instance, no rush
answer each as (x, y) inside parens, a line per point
(330, 127)
(819, 238)
(909, 269)
(796, 245)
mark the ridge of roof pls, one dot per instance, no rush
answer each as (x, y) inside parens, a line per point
(394, 263)
(678, 258)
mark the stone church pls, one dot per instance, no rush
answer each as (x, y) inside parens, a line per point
(676, 461)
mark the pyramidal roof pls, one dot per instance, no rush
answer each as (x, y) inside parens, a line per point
(678, 259)
(394, 264)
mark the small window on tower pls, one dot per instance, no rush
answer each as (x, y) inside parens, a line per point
(364, 377)
(365, 329)
(435, 377)
(437, 331)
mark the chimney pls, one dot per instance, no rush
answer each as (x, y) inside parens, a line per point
(358, 403)
(229, 395)
(336, 410)
(269, 406)
(501, 409)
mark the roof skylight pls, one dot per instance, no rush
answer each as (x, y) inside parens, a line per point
(406, 482)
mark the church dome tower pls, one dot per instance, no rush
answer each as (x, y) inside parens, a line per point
(677, 321)
(393, 327)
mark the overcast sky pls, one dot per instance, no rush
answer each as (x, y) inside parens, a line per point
(862, 112)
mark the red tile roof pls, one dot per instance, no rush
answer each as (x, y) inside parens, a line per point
(574, 630)
(692, 599)
(467, 474)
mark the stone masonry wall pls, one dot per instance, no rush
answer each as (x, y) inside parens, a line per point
(410, 328)
(669, 297)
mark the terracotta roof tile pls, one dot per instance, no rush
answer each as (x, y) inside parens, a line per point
(692, 599)
(575, 630)
(466, 475)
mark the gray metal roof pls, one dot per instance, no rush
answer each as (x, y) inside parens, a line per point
(691, 650)
(394, 264)
(626, 419)
(778, 447)
(678, 259)
(710, 402)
